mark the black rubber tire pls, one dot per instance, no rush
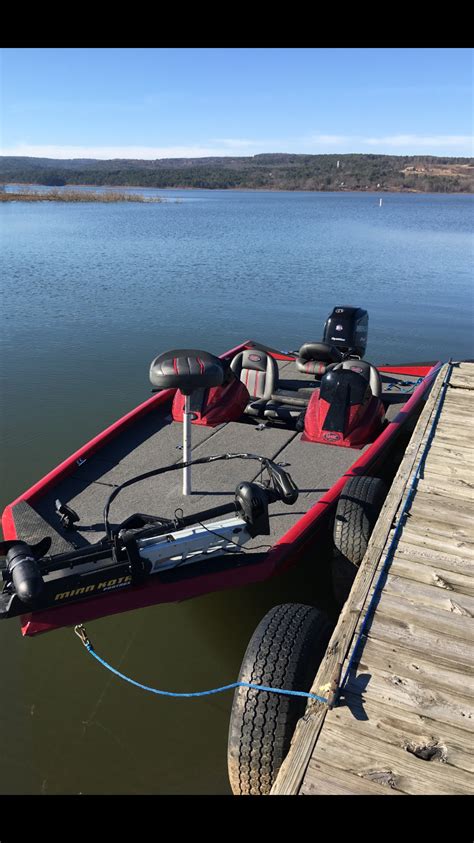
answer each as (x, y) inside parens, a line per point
(356, 515)
(285, 651)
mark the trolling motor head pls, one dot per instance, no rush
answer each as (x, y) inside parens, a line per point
(252, 499)
(22, 568)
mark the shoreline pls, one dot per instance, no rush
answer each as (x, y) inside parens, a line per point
(229, 190)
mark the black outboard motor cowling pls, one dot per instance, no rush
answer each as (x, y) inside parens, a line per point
(346, 329)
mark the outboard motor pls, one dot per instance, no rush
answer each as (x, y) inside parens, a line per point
(345, 335)
(346, 329)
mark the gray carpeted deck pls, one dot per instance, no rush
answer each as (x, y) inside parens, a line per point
(155, 441)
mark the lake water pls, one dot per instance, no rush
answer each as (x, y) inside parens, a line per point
(90, 295)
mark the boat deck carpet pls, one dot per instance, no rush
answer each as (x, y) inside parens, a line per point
(155, 441)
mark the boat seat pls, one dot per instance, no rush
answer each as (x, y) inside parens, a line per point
(276, 410)
(362, 367)
(317, 358)
(287, 408)
(258, 371)
(186, 369)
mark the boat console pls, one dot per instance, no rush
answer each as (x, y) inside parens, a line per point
(347, 409)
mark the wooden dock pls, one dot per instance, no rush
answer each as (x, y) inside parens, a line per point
(403, 719)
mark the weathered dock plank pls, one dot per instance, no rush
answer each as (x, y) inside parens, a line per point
(430, 594)
(382, 656)
(425, 572)
(454, 512)
(374, 760)
(413, 695)
(408, 611)
(448, 488)
(418, 641)
(438, 449)
(461, 471)
(405, 729)
(451, 545)
(339, 782)
(449, 561)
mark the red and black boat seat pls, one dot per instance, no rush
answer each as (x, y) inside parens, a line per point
(187, 369)
(316, 358)
(368, 372)
(287, 408)
(259, 372)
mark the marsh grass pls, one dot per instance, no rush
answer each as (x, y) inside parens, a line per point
(76, 196)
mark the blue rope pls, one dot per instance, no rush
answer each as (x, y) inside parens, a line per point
(80, 631)
(395, 536)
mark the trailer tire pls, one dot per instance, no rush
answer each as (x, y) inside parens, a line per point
(285, 652)
(356, 515)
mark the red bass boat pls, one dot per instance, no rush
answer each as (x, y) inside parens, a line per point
(272, 439)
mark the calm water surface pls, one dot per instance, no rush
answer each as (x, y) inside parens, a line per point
(90, 294)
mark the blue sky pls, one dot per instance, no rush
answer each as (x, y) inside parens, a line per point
(190, 102)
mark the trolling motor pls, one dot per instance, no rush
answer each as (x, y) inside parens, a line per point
(141, 546)
(22, 567)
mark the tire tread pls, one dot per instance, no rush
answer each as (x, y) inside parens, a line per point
(284, 652)
(356, 515)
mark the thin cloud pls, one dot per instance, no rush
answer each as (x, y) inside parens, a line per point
(405, 144)
(241, 143)
(401, 144)
(422, 141)
(111, 152)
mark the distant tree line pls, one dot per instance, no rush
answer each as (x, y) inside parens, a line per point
(259, 172)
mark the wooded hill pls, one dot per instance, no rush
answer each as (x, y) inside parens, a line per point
(259, 172)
